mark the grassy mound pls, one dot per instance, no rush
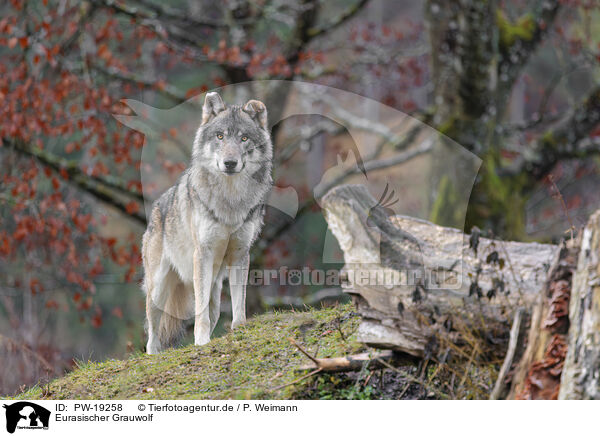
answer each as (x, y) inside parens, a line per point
(252, 362)
(257, 361)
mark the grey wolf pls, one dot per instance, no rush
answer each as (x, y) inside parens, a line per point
(202, 228)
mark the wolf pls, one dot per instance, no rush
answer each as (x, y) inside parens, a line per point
(201, 230)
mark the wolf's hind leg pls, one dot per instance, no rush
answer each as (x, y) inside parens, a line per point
(175, 304)
(166, 308)
(155, 289)
(153, 314)
(215, 299)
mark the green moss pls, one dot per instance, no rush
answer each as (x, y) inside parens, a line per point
(250, 362)
(523, 29)
(549, 140)
(449, 127)
(444, 210)
(498, 202)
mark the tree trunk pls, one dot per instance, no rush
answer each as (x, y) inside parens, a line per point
(581, 374)
(537, 376)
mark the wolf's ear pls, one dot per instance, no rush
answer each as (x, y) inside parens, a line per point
(213, 104)
(257, 111)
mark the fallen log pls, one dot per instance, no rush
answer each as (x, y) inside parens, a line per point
(418, 285)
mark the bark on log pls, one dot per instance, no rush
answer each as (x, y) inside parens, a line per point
(581, 373)
(537, 375)
(415, 282)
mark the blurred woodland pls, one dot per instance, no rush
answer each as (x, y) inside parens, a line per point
(515, 82)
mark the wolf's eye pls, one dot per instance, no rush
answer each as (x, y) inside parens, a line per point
(244, 138)
(220, 135)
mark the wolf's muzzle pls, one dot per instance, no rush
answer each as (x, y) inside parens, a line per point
(230, 165)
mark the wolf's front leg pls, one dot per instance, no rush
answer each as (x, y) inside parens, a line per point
(203, 269)
(238, 277)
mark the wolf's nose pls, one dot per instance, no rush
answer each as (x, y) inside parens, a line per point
(230, 164)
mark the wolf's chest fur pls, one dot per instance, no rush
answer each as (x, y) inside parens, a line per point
(229, 199)
(213, 211)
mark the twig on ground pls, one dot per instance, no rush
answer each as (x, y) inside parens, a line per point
(338, 325)
(510, 354)
(303, 351)
(403, 391)
(355, 362)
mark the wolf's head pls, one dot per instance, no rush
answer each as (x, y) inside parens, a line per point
(233, 139)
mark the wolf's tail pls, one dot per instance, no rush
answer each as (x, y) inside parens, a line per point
(174, 313)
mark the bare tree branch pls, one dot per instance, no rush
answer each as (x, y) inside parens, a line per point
(569, 139)
(169, 33)
(357, 122)
(183, 17)
(109, 190)
(374, 165)
(167, 90)
(315, 32)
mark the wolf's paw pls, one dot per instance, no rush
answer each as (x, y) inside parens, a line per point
(201, 341)
(152, 348)
(236, 323)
